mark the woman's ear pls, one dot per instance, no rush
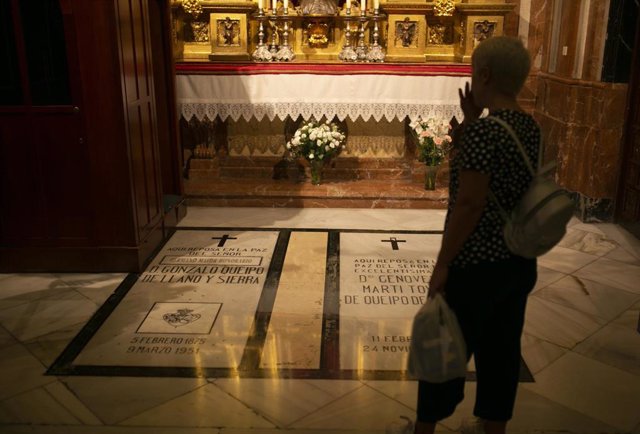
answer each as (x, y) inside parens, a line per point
(484, 74)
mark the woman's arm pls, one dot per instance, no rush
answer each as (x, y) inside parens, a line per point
(470, 202)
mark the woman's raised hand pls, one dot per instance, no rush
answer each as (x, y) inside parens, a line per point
(468, 105)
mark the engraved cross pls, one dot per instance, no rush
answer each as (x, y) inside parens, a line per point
(394, 242)
(223, 239)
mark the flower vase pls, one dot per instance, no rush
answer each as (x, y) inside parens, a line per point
(316, 171)
(430, 177)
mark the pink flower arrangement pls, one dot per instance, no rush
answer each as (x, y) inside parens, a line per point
(433, 140)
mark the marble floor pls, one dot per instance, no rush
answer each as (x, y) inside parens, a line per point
(581, 340)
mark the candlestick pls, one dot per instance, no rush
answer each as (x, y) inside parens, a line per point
(361, 49)
(348, 54)
(261, 53)
(286, 4)
(274, 38)
(285, 53)
(348, 5)
(363, 7)
(274, 6)
(376, 4)
(259, 4)
(376, 52)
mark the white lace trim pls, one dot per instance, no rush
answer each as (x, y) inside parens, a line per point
(353, 111)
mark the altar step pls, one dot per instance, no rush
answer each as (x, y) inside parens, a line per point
(330, 194)
(266, 167)
(347, 183)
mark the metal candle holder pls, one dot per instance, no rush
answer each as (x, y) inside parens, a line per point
(261, 53)
(285, 53)
(348, 54)
(376, 52)
(361, 49)
(273, 47)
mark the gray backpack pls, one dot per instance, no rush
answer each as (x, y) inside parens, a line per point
(539, 220)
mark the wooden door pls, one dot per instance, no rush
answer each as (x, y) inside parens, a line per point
(140, 112)
(42, 148)
(628, 201)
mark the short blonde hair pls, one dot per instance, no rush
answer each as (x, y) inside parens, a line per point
(508, 62)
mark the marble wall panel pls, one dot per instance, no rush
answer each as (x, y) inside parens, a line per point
(603, 177)
(588, 160)
(527, 96)
(568, 37)
(553, 99)
(612, 106)
(553, 132)
(581, 119)
(539, 26)
(594, 43)
(512, 19)
(572, 170)
(582, 123)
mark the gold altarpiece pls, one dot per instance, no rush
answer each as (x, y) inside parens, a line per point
(408, 32)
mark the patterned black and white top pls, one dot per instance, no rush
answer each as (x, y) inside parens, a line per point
(488, 148)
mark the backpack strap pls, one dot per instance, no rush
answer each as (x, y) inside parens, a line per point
(506, 126)
(527, 162)
(503, 212)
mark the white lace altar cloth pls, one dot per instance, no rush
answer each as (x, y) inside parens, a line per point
(366, 96)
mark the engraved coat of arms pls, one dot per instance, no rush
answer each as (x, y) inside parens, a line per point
(181, 317)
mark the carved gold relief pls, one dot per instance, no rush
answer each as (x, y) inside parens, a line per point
(228, 37)
(200, 31)
(406, 32)
(440, 34)
(483, 30)
(228, 32)
(410, 30)
(192, 7)
(443, 8)
(317, 34)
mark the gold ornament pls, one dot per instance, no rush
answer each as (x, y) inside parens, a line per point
(318, 34)
(443, 8)
(192, 7)
(437, 34)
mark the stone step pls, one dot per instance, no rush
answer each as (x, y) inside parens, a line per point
(329, 194)
(267, 168)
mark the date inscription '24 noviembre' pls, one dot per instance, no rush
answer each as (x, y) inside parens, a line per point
(382, 286)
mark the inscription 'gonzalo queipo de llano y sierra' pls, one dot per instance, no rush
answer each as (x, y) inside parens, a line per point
(198, 296)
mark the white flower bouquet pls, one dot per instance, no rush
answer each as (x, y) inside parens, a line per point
(317, 142)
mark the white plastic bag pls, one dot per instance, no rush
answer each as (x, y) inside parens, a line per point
(438, 352)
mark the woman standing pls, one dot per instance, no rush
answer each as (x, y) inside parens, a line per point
(482, 281)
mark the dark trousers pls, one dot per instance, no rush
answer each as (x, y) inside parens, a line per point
(489, 301)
